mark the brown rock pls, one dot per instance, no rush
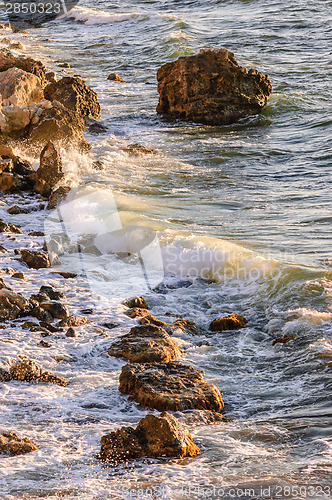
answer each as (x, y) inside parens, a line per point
(61, 124)
(229, 322)
(57, 196)
(151, 320)
(65, 275)
(114, 77)
(6, 165)
(184, 325)
(136, 312)
(72, 333)
(138, 302)
(75, 95)
(8, 60)
(145, 344)
(6, 181)
(11, 444)
(56, 309)
(169, 386)
(283, 340)
(27, 371)
(155, 436)
(11, 304)
(4, 375)
(49, 172)
(19, 276)
(34, 259)
(45, 344)
(15, 210)
(211, 88)
(75, 321)
(8, 227)
(137, 150)
(25, 86)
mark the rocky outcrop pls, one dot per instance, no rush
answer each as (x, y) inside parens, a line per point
(11, 444)
(145, 344)
(75, 95)
(169, 386)
(20, 87)
(49, 172)
(8, 60)
(229, 322)
(134, 302)
(211, 88)
(35, 259)
(27, 371)
(57, 196)
(12, 304)
(155, 436)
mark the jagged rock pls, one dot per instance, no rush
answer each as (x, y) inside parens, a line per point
(283, 340)
(229, 322)
(57, 196)
(20, 87)
(8, 227)
(74, 94)
(15, 210)
(169, 386)
(145, 344)
(56, 309)
(97, 128)
(35, 259)
(155, 436)
(52, 293)
(114, 77)
(61, 124)
(211, 88)
(11, 444)
(137, 150)
(27, 371)
(49, 172)
(184, 325)
(136, 312)
(151, 320)
(138, 302)
(11, 304)
(8, 60)
(6, 165)
(74, 321)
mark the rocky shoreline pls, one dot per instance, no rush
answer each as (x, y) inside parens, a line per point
(43, 114)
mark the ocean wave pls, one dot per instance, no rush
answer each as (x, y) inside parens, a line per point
(96, 16)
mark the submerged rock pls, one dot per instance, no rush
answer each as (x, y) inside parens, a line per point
(138, 302)
(229, 322)
(49, 172)
(211, 88)
(137, 150)
(155, 436)
(283, 340)
(35, 259)
(169, 386)
(145, 344)
(11, 444)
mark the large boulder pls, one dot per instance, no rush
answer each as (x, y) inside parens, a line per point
(20, 87)
(73, 93)
(211, 88)
(155, 436)
(49, 172)
(169, 386)
(145, 344)
(8, 60)
(11, 444)
(61, 124)
(35, 259)
(27, 371)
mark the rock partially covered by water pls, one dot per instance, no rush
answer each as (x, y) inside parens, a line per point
(211, 88)
(49, 172)
(11, 444)
(8, 227)
(229, 322)
(145, 344)
(134, 302)
(27, 371)
(73, 93)
(155, 436)
(169, 386)
(35, 259)
(12, 304)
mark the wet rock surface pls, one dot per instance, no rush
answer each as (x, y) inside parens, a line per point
(12, 304)
(136, 302)
(28, 371)
(229, 322)
(155, 436)
(49, 172)
(35, 259)
(211, 88)
(11, 444)
(169, 386)
(145, 344)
